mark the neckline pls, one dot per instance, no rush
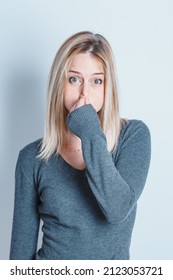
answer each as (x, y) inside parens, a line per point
(69, 166)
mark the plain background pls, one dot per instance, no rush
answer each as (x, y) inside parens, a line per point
(140, 33)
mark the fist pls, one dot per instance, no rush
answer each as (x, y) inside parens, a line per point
(83, 100)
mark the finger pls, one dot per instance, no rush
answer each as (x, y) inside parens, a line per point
(73, 108)
(80, 102)
(87, 100)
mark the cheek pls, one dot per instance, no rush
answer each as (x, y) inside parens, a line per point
(97, 100)
(70, 98)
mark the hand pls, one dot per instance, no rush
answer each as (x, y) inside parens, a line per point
(83, 100)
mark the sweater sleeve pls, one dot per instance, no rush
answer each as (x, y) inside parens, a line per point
(116, 184)
(25, 218)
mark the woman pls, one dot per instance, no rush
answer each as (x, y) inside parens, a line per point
(83, 179)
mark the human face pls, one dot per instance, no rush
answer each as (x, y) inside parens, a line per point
(85, 78)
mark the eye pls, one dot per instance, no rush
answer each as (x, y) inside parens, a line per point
(98, 81)
(74, 80)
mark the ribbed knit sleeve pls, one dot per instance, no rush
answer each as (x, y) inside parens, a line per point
(25, 218)
(116, 184)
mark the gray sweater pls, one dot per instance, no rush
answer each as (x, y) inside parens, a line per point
(86, 214)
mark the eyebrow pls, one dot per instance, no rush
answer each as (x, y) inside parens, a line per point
(76, 72)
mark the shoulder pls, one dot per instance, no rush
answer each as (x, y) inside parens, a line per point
(28, 154)
(32, 148)
(134, 132)
(134, 127)
(134, 141)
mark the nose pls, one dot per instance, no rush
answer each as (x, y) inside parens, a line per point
(84, 89)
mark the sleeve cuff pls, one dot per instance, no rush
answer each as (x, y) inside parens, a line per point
(84, 122)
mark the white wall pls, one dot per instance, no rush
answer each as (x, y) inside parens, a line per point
(140, 33)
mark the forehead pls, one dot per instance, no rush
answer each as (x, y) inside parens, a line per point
(86, 61)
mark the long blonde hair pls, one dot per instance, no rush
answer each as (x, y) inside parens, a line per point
(56, 132)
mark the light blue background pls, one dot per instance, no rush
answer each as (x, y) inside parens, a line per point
(140, 33)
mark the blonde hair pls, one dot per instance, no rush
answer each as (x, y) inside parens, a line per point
(56, 132)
